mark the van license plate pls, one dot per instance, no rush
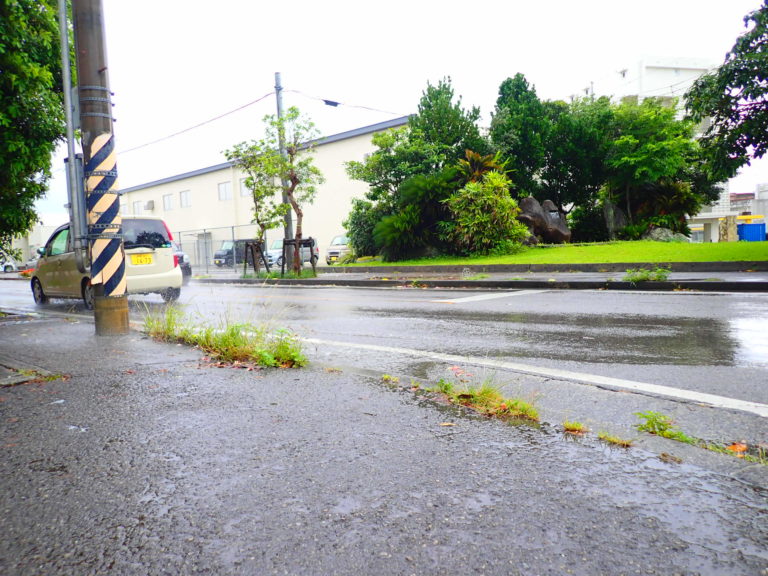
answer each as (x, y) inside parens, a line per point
(141, 259)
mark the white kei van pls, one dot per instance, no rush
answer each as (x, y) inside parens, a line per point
(150, 264)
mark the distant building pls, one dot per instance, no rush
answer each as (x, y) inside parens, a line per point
(211, 205)
(671, 78)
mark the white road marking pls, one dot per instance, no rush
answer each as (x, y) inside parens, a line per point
(491, 296)
(592, 379)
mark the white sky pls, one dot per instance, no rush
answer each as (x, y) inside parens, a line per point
(176, 63)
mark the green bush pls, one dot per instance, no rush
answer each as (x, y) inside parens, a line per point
(360, 224)
(483, 217)
(587, 224)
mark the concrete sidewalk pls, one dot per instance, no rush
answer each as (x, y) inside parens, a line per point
(127, 456)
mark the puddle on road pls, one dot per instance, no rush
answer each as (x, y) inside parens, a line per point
(752, 336)
(625, 339)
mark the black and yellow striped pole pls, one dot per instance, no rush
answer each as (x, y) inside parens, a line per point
(105, 242)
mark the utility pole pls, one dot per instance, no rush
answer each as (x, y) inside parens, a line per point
(100, 170)
(287, 219)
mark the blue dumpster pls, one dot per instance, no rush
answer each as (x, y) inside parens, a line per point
(751, 232)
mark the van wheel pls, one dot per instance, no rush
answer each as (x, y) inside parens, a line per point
(171, 294)
(88, 295)
(37, 292)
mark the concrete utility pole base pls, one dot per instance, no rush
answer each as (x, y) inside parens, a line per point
(111, 315)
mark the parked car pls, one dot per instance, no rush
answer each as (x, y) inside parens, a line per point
(150, 264)
(7, 264)
(231, 253)
(184, 264)
(338, 249)
(275, 253)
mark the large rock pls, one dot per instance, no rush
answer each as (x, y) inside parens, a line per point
(544, 221)
(665, 235)
(615, 219)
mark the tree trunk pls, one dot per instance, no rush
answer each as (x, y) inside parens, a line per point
(609, 218)
(297, 248)
(629, 212)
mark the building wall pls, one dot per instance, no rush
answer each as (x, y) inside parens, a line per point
(209, 220)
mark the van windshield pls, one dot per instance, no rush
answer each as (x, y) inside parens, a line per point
(226, 245)
(147, 233)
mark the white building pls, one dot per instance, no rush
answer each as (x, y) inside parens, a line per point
(208, 206)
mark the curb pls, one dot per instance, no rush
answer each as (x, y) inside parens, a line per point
(668, 286)
(741, 266)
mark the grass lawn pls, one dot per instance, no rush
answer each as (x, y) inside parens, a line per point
(610, 252)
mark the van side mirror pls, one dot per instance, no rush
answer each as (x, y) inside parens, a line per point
(40, 251)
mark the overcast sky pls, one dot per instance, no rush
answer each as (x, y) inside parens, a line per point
(174, 64)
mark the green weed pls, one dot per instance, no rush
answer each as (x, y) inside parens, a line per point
(614, 440)
(485, 398)
(443, 386)
(658, 274)
(229, 342)
(662, 425)
(573, 427)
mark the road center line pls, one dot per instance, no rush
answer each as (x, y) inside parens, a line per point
(491, 296)
(591, 379)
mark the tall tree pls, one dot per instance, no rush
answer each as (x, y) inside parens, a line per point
(31, 109)
(265, 190)
(443, 123)
(650, 146)
(735, 98)
(399, 155)
(576, 148)
(519, 131)
(268, 168)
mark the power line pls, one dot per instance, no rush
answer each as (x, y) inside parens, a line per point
(219, 117)
(335, 103)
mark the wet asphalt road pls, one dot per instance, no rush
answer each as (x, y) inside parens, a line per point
(156, 465)
(159, 466)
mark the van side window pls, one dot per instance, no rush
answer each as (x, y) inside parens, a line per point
(58, 244)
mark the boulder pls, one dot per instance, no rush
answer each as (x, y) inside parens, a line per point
(665, 235)
(544, 221)
(615, 219)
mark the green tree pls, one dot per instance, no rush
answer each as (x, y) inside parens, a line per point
(412, 229)
(519, 131)
(735, 100)
(294, 173)
(31, 109)
(265, 189)
(444, 124)
(650, 146)
(399, 155)
(399, 172)
(577, 144)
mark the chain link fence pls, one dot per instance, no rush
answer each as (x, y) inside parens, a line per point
(213, 250)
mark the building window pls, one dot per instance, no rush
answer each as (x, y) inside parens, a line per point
(138, 208)
(225, 191)
(123, 208)
(244, 191)
(167, 202)
(185, 200)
